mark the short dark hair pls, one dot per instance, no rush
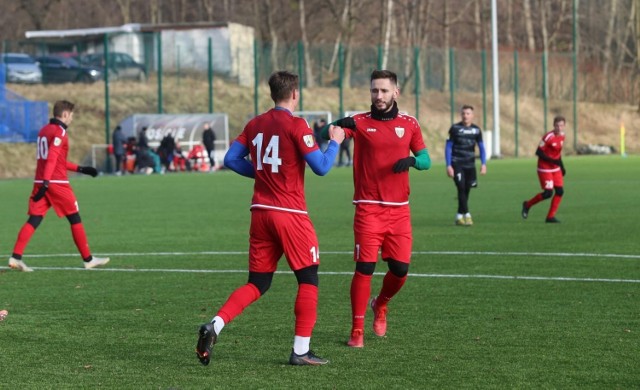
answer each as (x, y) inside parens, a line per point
(466, 107)
(559, 118)
(384, 74)
(61, 106)
(282, 84)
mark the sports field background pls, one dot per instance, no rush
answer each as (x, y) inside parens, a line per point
(504, 303)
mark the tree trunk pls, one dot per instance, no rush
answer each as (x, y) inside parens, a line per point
(637, 4)
(387, 32)
(609, 37)
(445, 40)
(528, 23)
(509, 28)
(308, 65)
(477, 24)
(273, 35)
(208, 7)
(125, 10)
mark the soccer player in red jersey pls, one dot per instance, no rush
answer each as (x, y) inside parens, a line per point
(550, 171)
(383, 138)
(52, 189)
(280, 146)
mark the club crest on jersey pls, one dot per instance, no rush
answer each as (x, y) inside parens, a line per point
(57, 141)
(308, 140)
(399, 131)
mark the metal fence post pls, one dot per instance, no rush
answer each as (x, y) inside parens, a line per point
(107, 109)
(515, 97)
(210, 73)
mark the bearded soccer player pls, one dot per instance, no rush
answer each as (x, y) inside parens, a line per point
(461, 161)
(383, 138)
(280, 145)
(550, 171)
(52, 189)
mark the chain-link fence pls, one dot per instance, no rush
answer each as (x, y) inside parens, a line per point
(154, 71)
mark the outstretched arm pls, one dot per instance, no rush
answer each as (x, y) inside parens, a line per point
(346, 123)
(321, 163)
(235, 160)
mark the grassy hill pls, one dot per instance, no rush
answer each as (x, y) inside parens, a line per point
(597, 123)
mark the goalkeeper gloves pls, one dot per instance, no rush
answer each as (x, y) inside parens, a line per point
(41, 191)
(88, 171)
(404, 164)
(347, 123)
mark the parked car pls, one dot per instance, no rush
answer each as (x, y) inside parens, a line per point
(58, 69)
(121, 65)
(21, 68)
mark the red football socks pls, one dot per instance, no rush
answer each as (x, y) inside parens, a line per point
(536, 199)
(306, 309)
(23, 239)
(360, 292)
(80, 238)
(238, 301)
(555, 202)
(390, 287)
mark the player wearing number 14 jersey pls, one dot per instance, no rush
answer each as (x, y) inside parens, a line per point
(51, 188)
(280, 146)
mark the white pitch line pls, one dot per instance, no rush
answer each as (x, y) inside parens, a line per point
(451, 253)
(451, 276)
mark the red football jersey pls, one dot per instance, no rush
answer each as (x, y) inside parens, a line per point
(378, 146)
(52, 147)
(551, 145)
(278, 142)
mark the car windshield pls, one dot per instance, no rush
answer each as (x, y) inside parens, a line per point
(18, 60)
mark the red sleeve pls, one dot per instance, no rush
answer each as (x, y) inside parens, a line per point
(72, 167)
(52, 158)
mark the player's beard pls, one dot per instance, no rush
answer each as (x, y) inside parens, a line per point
(383, 106)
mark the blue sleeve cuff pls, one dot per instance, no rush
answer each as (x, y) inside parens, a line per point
(235, 160)
(321, 163)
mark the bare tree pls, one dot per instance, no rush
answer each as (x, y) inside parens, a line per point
(305, 43)
(528, 23)
(272, 34)
(208, 6)
(388, 22)
(609, 37)
(37, 10)
(125, 10)
(509, 27)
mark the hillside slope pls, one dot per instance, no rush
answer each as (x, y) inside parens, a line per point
(598, 123)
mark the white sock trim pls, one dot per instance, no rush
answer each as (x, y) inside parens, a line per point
(218, 324)
(301, 345)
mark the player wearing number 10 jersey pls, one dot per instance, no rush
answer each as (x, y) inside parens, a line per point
(51, 188)
(280, 146)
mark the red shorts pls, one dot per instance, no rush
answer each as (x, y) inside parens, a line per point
(549, 180)
(376, 226)
(58, 196)
(273, 233)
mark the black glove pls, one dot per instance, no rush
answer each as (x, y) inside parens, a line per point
(88, 171)
(40, 194)
(404, 164)
(347, 123)
(564, 171)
